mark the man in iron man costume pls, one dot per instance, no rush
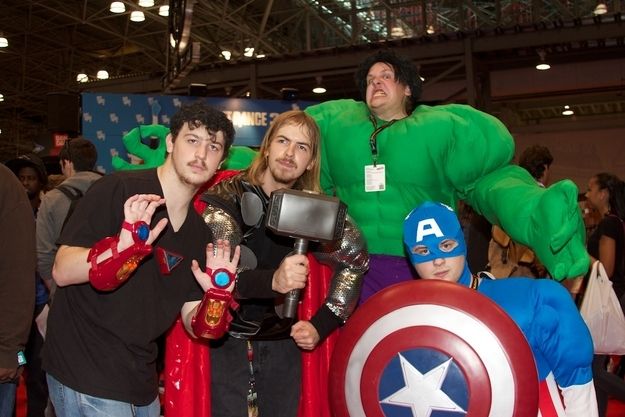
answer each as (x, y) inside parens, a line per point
(299, 349)
(542, 308)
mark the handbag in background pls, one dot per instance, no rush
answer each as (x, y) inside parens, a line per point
(603, 314)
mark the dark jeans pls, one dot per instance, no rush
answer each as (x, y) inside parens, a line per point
(34, 376)
(7, 398)
(606, 383)
(277, 370)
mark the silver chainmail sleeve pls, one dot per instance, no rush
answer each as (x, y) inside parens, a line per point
(222, 224)
(222, 217)
(350, 260)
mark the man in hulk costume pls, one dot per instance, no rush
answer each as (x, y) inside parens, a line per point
(389, 154)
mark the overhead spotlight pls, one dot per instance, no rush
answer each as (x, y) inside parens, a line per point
(421, 78)
(4, 42)
(601, 9)
(1, 97)
(163, 10)
(260, 56)
(567, 111)
(542, 64)
(249, 52)
(430, 30)
(319, 88)
(102, 75)
(82, 78)
(397, 32)
(146, 3)
(117, 7)
(226, 54)
(137, 16)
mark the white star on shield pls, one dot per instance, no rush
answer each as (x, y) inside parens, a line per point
(422, 392)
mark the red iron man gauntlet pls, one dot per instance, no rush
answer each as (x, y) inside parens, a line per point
(112, 272)
(213, 317)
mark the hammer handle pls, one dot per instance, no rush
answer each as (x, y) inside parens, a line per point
(292, 297)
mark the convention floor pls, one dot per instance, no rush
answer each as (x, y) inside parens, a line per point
(615, 408)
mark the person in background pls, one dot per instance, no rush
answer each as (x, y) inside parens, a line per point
(77, 158)
(127, 265)
(384, 156)
(543, 309)
(31, 172)
(606, 194)
(537, 160)
(17, 287)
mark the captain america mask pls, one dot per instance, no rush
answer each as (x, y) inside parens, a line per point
(432, 231)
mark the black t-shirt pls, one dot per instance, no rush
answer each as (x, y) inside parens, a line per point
(611, 226)
(104, 343)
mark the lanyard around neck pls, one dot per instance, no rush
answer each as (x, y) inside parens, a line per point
(373, 141)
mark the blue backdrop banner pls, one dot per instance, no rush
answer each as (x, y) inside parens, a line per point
(107, 117)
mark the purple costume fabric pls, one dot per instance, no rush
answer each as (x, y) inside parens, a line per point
(385, 270)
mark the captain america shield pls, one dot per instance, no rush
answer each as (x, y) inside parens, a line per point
(430, 348)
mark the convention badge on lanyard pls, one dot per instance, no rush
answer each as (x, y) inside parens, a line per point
(375, 175)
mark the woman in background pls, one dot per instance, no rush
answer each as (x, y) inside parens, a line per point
(606, 194)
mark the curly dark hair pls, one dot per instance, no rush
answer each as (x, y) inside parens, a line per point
(534, 159)
(405, 73)
(199, 114)
(616, 188)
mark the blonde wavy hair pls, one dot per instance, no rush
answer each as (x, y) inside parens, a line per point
(310, 178)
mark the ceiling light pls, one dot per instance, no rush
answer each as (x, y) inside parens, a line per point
(117, 7)
(102, 75)
(1, 97)
(163, 10)
(137, 16)
(226, 54)
(249, 52)
(430, 30)
(82, 78)
(542, 63)
(542, 66)
(397, 32)
(146, 3)
(421, 78)
(4, 42)
(567, 111)
(601, 9)
(319, 88)
(260, 56)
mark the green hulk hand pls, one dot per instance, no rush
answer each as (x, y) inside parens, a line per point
(557, 234)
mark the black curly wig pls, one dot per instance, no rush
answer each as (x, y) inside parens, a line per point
(405, 73)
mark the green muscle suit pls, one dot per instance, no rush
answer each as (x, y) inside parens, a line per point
(445, 153)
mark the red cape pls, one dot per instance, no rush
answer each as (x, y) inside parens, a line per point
(187, 376)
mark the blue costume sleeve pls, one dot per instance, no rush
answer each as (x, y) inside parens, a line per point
(546, 314)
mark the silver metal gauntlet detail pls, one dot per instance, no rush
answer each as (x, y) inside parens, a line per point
(222, 224)
(350, 260)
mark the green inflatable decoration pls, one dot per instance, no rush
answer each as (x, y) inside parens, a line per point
(239, 157)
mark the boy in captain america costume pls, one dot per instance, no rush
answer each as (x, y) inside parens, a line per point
(385, 156)
(542, 308)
